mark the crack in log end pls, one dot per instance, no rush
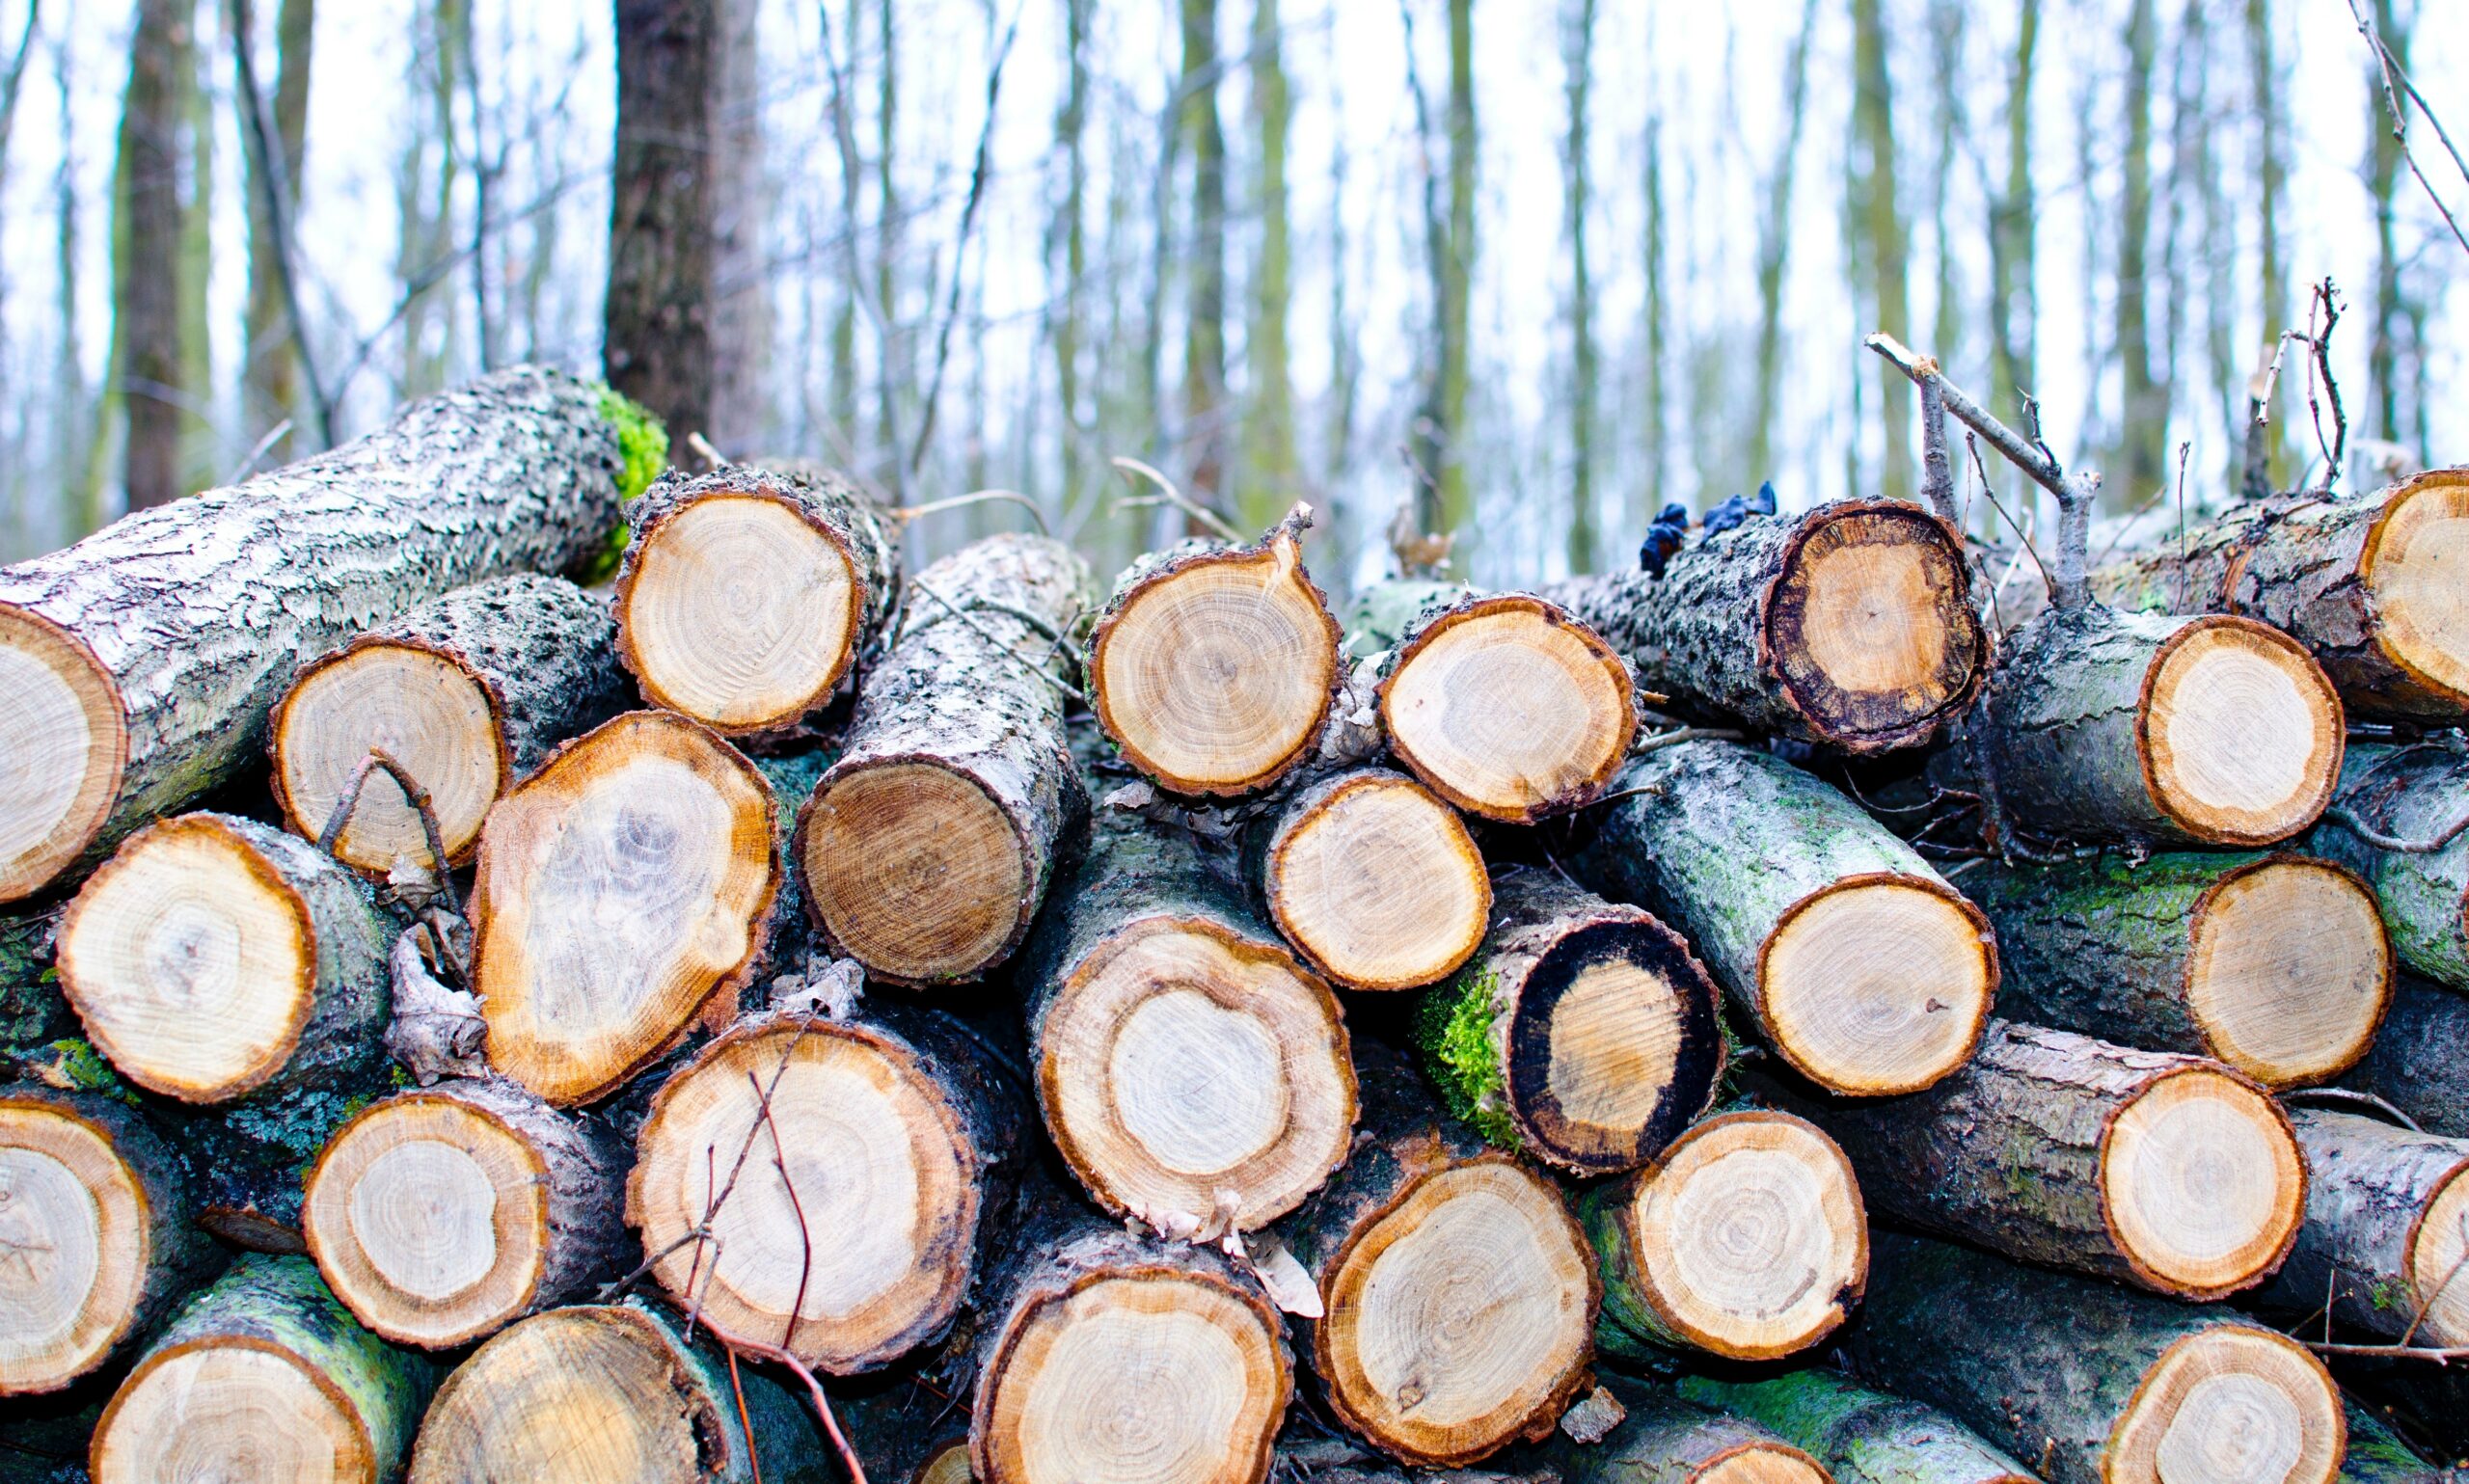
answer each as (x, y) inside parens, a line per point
(1869, 625)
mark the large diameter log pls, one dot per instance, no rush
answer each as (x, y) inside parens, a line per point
(1458, 1293)
(928, 848)
(598, 1394)
(747, 593)
(1212, 666)
(1861, 966)
(468, 692)
(439, 1216)
(1862, 1437)
(1666, 1440)
(1189, 1070)
(1849, 626)
(2413, 794)
(1582, 1032)
(2386, 1236)
(143, 660)
(2090, 1383)
(1747, 1240)
(2418, 1063)
(2170, 1173)
(99, 1222)
(618, 889)
(214, 956)
(856, 1198)
(263, 1376)
(1375, 880)
(2275, 964)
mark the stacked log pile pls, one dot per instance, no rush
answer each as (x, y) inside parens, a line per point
(792, 1016)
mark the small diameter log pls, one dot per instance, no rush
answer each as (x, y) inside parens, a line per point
(2170, 1173)
(1849, 626)
(1582, 1032)
(2386, 1238)
(927, 848)
(1748, 1240)
(98, 1225)
(1189, 1070)
(1212, 666)
(1458, 1296)
(1664, 1440)
(1375, 880)
(142, 662)
(2274, 964)
(2417, 1063)
(31, 1008)
(2367, 583)
(747, 593)
(1861, 967)
(1504, 703)
(853, 1206)
(2092, 1384)
(214, 956)
(618, 887)
(468, 692)
(2417, 794)
(2104, 727)
(598, 1393)
(442, 1215)
(263, 1376)
(1862, 1437)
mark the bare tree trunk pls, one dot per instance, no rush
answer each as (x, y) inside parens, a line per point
(892, 358)
(1878, 212)
(270, 364)
(1947, 77)
(2137, 471)
(1455, 374)
(2273, 171)
(2013, 310)
(741, 297)
(146, 233)
(658, 324)
(1578, 58)
(2383, 172)
(1655, 317)
(1069, 237)
(844, 317)
(1270, 473)
(195, 396)
(1203, 435)
(1774, 246)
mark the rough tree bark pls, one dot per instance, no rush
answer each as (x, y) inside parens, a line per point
(147, 217)
(2412, 795)
(2416, 1063)
(2386, 1235)
(657, 320)
(1862, 1437)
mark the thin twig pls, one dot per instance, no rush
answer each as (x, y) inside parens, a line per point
(2022, 534)
(2346, 818)
(737, 1389)
(2179, 606)
(814, 1393)
(978, 173)
(957, 611)
(418, 799)
(1170, 494)
(2365, 1101)
(805, 1233)
(2384, 63)
(712, 458)
(257, 450)
(2320, 368)
(907, 513)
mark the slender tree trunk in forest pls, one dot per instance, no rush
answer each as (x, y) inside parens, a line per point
(2013, 311)
(1457, 494)
(78, 420)
(1879, 213)
(2138, 470)
(198, 455)
(844, 314)
(146, 233)
(270, 364)
(12, 512)
(1578, 57)
(741, 300)
(657, 326)
(1203, 435)
(1270, 472)
(1069, 237)
(2272, 172)
(2383, 172)
(892, 358)
(1774, 246)
(1655, 316)
(1946, 58)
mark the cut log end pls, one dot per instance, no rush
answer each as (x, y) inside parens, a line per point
(428, 714)
(2203, 1182)
(75, 1223)
(1509, 707)
(1870, 625)
(191, 961)
(1613, 1047)
(949, 1465)
(740, 612)
(2412, 566)
(1878, 985)
(63, 746)
(1762, 1463)
(915, 870)
(2290, 971)
(1136, 1375)
(2438, 1254)
(231, 1408)
(1215, 676)
(1460, 1316)
(2240, 731)
(1379, 883)
(2231, 1405)
(1183, 1063)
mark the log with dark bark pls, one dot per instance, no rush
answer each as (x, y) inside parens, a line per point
(1860, 965)
(442, 1215)
(1664, 1440)
(1848, 626)
(2169, 1172)
(928, 848)
(1748, 1240)
(1458, 1296)
(1862, 1437)
(619, 887)
(1504, 703)
(2379, 1455)
(1372, 878)
(2092, 1383)
(263, 1376)
(747, 593)
(2414, 796)
(99, 1222)
(1582, 1033)
(2387, 1237)
(1212, 666)
(1189, 1070)
(215, 956)
(146, 658)
(2417, 1063)
(2275, 964)
(468, 692)
(847, 1172)
(31, 1008)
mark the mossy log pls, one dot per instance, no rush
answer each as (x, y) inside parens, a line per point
(2418, 1063)
(747, 592)
(2379, 1455)
(2089, 1383)
(928, 848)
(1372, 878)
(2413, 794)
(31, 1008)
(2275, 964)
(1862, 1437)
(468, 692)
(143, 660)
(264, 1376)
(1850, 625)
(2386, 1236)
(1666, 1440)
(1854, 958)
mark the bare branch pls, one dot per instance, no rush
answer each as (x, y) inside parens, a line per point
(2327, 301)
(978, 173)
(2384, 63)
(1937, 470)
(2256, 483)
(1170, 494)
(906, 513)
(418, 799)
(267, 164)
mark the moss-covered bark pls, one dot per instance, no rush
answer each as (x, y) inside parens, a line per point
(2414, 794)
(1666, 1440)
(1862, 1437)
(31, 1008)
(2377, 1455)
(2369, 1187)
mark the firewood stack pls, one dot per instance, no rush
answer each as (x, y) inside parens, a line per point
(785, 1015)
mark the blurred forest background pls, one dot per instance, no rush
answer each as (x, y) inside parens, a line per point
(1539, 265)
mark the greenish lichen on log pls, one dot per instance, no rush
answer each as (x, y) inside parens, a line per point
(2377, 1454)
(2386, 1235)
(1664, 1439)
(2415, 795)
(1861, 1435)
